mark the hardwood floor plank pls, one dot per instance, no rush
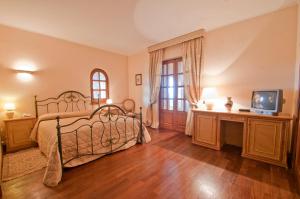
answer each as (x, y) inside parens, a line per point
(168, 167)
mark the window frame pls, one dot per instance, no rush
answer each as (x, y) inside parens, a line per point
(95, 100)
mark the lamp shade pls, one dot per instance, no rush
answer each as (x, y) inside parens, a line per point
(9, 106)
(208, 96)
(209, 93)
(109, 101)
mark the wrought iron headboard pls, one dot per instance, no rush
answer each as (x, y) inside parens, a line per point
(70, 100)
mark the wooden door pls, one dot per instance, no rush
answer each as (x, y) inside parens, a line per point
(173, 105)
(265, 139)
(205, 130)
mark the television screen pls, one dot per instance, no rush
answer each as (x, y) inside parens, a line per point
(266, 100)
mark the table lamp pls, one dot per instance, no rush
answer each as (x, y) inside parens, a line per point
(9, 107)
(109, 101)
(208, 96)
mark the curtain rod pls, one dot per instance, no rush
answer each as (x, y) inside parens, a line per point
(177, 40)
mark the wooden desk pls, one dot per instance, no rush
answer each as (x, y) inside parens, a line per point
(265, 137)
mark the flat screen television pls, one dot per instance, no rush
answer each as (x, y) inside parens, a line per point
(267, 101)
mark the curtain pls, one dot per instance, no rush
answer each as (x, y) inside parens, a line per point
(155, 67)
(192, 62)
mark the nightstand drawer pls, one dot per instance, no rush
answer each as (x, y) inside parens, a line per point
(18, 133)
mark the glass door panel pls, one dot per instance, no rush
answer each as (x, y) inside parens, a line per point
(170, 68)
(180, 93)
(171, 105)
(180, 105)
(180, 81)
(179, 67)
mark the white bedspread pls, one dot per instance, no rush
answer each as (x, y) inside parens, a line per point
(45, 134)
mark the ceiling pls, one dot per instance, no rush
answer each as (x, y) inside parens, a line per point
(128, 26)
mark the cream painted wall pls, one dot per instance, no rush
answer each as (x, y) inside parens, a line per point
(259, 53)
(254, 54)
(61, 66)
(139, 65)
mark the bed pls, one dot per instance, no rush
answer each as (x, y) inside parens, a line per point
(71, 132)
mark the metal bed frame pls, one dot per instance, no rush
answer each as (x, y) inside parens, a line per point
(107, 116)
(71, 99)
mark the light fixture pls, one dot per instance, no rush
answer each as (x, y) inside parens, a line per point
(109, 101)
(209, 94)
(24, 70)
(25, 65)
(9, 107)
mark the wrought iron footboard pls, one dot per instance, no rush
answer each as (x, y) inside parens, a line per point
(107, 130)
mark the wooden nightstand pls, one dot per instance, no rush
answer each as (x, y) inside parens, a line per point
(17, 133)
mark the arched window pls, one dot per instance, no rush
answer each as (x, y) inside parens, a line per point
(99, 86)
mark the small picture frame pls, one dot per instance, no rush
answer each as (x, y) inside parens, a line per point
(138, 79)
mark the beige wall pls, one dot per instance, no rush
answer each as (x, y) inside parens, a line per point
(298, 35)
(139, 65)
(258, 53)
(297, 67)
(61, 66)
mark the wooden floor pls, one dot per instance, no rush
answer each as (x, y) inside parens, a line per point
(169, 167)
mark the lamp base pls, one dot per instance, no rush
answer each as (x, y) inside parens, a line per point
(209, 106)
(10, 114)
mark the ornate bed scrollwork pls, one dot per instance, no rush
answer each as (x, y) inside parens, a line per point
(68, 101)
(107, 130)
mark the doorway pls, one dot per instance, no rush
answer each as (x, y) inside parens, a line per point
(173, 105)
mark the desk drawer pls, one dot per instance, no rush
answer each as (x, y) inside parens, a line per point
(232, 118)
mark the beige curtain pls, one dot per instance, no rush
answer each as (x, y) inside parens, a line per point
(192, 61)
(155, 67)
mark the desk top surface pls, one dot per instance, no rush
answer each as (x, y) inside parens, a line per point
(246, 114)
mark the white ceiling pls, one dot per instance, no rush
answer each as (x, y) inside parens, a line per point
(128, 26)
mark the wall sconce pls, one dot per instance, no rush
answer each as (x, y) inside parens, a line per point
(25, 70)
(9, 107)
(109, 101)
(25, 65)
